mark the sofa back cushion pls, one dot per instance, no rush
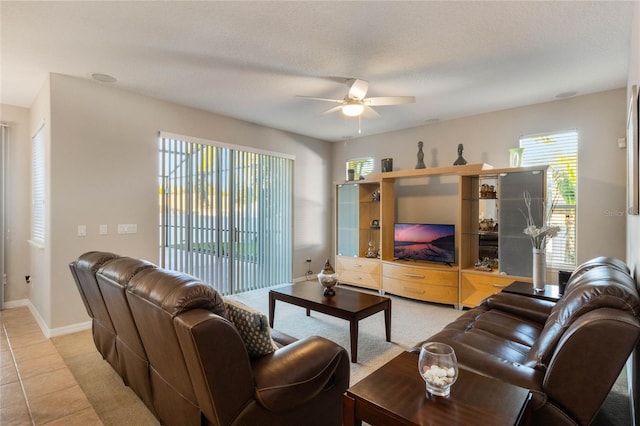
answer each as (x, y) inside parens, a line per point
(596, 288)
(156, 297)
(113, 279)
(84, 273)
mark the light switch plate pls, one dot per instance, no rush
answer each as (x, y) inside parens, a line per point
(104, 229)
(127, 228)
(82, 230)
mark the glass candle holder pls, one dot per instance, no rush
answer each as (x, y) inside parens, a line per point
(438, 367)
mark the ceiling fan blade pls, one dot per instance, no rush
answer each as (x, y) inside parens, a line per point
(339, 101)
(389, 100)
(369, 112)
(334, 109)
(357, 89)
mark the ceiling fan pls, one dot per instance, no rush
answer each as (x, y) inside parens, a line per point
(355, 104)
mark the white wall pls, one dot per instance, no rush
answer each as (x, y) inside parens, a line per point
(40, 259)
(599, 119)
(17, 201)
(102, 169)
(633, 222)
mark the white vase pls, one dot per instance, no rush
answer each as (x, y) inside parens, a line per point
(539, 269)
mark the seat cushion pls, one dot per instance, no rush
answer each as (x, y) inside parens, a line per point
(493, 332)
(253, 327)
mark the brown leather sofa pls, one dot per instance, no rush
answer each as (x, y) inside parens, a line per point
(568, 353)
(167, 335)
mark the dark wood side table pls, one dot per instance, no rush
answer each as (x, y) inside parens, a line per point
(350, 305)
(551, 292)
(396, 394)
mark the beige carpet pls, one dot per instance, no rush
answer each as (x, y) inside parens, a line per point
(412, 322)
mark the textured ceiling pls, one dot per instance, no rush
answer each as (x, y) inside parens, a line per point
(249, 60)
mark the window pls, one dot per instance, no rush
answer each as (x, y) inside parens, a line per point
(360, 166)
(225, 213)
(37, 187)
(560, 152)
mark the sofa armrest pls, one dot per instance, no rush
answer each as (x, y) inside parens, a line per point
(526, 307)
(296, 373)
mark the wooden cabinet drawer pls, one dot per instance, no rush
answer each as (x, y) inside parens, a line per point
(358, 264)
(475, 287)
(360, 272)
(421, 275)
(430, 283)
(422, 291)
(360, 279)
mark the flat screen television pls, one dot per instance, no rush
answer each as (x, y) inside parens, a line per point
(424, 241)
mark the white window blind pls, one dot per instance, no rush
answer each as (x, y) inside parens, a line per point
(37, 187)
(560, 151)
(360, 166)
(226, 213)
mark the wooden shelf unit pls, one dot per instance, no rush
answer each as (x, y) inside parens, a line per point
(459, 285)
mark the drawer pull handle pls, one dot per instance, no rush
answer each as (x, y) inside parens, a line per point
(413, 290)
(357, 266)
(414, 276)
(499, 285)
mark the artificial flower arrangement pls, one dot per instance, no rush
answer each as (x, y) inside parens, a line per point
(539, 235)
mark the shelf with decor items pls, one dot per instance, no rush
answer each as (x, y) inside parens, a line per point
(494, 251)
(358, 233)
(361, 218)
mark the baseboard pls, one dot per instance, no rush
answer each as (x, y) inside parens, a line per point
(16, 303)
(48, 332)
(307, 278)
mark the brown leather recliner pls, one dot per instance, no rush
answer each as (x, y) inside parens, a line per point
(84, 274)
(199, 370)
(569, 353)
(113, 278)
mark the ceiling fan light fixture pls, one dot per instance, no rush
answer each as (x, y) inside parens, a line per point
(352, 109)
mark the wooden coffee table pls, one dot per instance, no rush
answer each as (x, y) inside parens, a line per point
(396, 394)
(347, 304)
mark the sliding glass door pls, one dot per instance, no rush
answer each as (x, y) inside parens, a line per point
(225, 213)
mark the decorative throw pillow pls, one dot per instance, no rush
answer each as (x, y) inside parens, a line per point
(253, 327)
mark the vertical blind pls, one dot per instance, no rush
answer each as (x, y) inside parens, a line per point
(226, 213)
(37, 186)
(560, 151)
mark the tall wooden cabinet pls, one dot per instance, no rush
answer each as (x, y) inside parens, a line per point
(489, 224)
(358, 235)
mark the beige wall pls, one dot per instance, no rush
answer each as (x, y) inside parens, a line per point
(102, 169)
(599, 119)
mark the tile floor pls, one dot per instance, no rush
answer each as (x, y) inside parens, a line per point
(36, 387)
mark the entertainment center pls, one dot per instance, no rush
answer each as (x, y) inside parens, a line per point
(377, 248)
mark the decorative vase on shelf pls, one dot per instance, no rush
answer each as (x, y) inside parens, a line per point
(328, 278)
(539, 269)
